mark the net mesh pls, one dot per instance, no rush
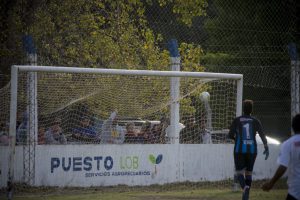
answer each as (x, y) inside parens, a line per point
(216, 36)
(248, 38)
(80, 105)
(81, 109)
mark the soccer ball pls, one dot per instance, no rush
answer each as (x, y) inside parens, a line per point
(204, 96)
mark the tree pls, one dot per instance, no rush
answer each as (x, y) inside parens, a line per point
(106, 34)
(247, 33)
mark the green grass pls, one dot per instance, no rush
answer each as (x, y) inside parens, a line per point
(113, 194)
(204, 194)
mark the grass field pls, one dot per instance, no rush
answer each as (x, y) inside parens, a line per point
(173, 192)
(202, 194)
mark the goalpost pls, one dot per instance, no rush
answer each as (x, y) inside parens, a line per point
(165, 108)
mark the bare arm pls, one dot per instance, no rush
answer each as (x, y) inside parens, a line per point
(278, 174)
(107, 128)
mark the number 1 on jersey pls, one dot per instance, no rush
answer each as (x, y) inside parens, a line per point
(246, 131)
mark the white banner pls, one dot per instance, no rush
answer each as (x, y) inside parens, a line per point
(132, 164)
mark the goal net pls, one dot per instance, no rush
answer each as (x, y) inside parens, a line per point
(63, 118)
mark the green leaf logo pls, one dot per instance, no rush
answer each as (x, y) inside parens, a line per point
(152, 159)
(158, 159)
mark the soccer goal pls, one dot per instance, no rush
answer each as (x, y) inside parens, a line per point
(98, 127)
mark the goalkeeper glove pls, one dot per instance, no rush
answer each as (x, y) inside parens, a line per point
(266, 152)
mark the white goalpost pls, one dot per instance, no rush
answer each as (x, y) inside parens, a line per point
(86, 105)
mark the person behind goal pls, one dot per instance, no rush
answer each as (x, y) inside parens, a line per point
(243, 130)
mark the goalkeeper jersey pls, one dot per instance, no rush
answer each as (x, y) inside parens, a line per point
(243, 130)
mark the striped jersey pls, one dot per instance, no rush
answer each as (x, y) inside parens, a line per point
(243, 130)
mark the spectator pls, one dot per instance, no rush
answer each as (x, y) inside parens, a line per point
(155, 134)
(206, 137)
(146, 133)
(97, 124)
(41, 135)
(4, 139)
(132, 135)
(188, 133)
(54, 134)
(21, 134)
(111, 132)
(85, 132)
(3, 134)
(130, 129)
(164, 124)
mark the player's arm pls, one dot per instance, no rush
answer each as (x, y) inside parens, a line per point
(278, 174)
(283, 161)
(261, 133)
(107, 123)
(232, 130)
(263, 138)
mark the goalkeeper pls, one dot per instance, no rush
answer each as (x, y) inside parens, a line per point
(243, 130)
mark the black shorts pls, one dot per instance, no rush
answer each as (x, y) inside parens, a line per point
(244, 161)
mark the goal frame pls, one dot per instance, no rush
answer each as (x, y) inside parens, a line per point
(175, 78)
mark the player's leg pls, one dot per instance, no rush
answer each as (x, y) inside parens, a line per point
(239, 162)
(235, 186)
(248, 178)
(250, 160)
(248, 181)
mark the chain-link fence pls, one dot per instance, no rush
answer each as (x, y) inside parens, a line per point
(219, 36)
(232, 36)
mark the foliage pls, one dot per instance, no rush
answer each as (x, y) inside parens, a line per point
(191, 56)
(109, 34)
(102, 34)
(242, 34)
(186, 10)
